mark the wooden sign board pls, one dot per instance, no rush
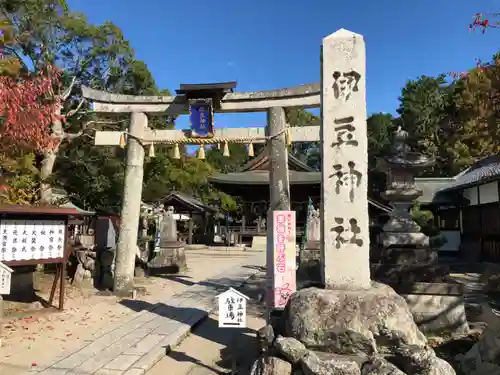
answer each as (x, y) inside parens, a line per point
(232, 309)
(31, 235)
(31, 240)
(284, 259)
(5, 279)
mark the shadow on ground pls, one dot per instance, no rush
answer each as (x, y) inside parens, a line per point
(254, 288)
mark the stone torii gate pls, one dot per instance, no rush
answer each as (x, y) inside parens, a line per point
(139, 136)
(344, 167)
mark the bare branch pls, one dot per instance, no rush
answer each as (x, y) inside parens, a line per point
(72, 136)
(74, 111)
(65, 95)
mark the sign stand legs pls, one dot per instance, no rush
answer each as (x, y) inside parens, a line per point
(234, 351)
(59, 277)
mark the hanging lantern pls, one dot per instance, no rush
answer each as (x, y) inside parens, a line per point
(151, 151)
(201, 152)
(250, 150)
(123, 140)
(226, 149)
(177, 154)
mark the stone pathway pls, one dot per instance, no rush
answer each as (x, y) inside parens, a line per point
(167, 318)
(210, 350)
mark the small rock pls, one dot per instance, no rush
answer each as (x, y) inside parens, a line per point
(265, 365)
(438, 366)
(422, 361)
(380, 366)
(266, 335)
(312, 365)
(292, 349)
(413, 358)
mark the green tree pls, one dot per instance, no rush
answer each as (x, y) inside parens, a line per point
(307, 152)
(162, 175)
(46, 32)
(238, 156)
(476, 133)
(380, 127)
(426, 112)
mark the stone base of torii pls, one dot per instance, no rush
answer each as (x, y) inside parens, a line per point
(345, 326)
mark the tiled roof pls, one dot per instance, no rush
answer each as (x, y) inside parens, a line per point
(58, 193)
(188, 201)
(261, 163)
(431, 189)
(484, 170)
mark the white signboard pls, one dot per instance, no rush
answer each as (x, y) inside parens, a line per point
(31, 239)
(232, 309)
(5, 277)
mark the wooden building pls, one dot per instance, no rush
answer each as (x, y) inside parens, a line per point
(467, 209)
(251, 184)
(198, 216)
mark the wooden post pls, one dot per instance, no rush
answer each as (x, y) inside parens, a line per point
(190, 229)
(131, 207)
(228, 235)
(279, 194)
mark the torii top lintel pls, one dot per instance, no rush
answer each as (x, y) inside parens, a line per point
(307, 96)
(206, 89)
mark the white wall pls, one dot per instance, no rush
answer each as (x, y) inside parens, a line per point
(453, 243)
(488, 193)
(471, 195)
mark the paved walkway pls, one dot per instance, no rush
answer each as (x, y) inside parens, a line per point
(210, 350)
(132, 347)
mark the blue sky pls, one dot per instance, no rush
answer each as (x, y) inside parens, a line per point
(268, 44)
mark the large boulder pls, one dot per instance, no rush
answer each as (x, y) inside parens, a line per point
(351, 322)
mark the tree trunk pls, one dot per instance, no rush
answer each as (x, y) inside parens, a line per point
(49, 161)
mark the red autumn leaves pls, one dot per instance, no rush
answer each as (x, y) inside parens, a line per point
(482, 21)
(28, 107)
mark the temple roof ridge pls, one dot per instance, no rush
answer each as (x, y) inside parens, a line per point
(261, 162)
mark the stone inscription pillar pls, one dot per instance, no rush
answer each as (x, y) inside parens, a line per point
(344, 206)
(131, 206)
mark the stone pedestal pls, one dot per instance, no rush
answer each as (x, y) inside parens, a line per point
(170, 258)
(310, 263)
(22, 282)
